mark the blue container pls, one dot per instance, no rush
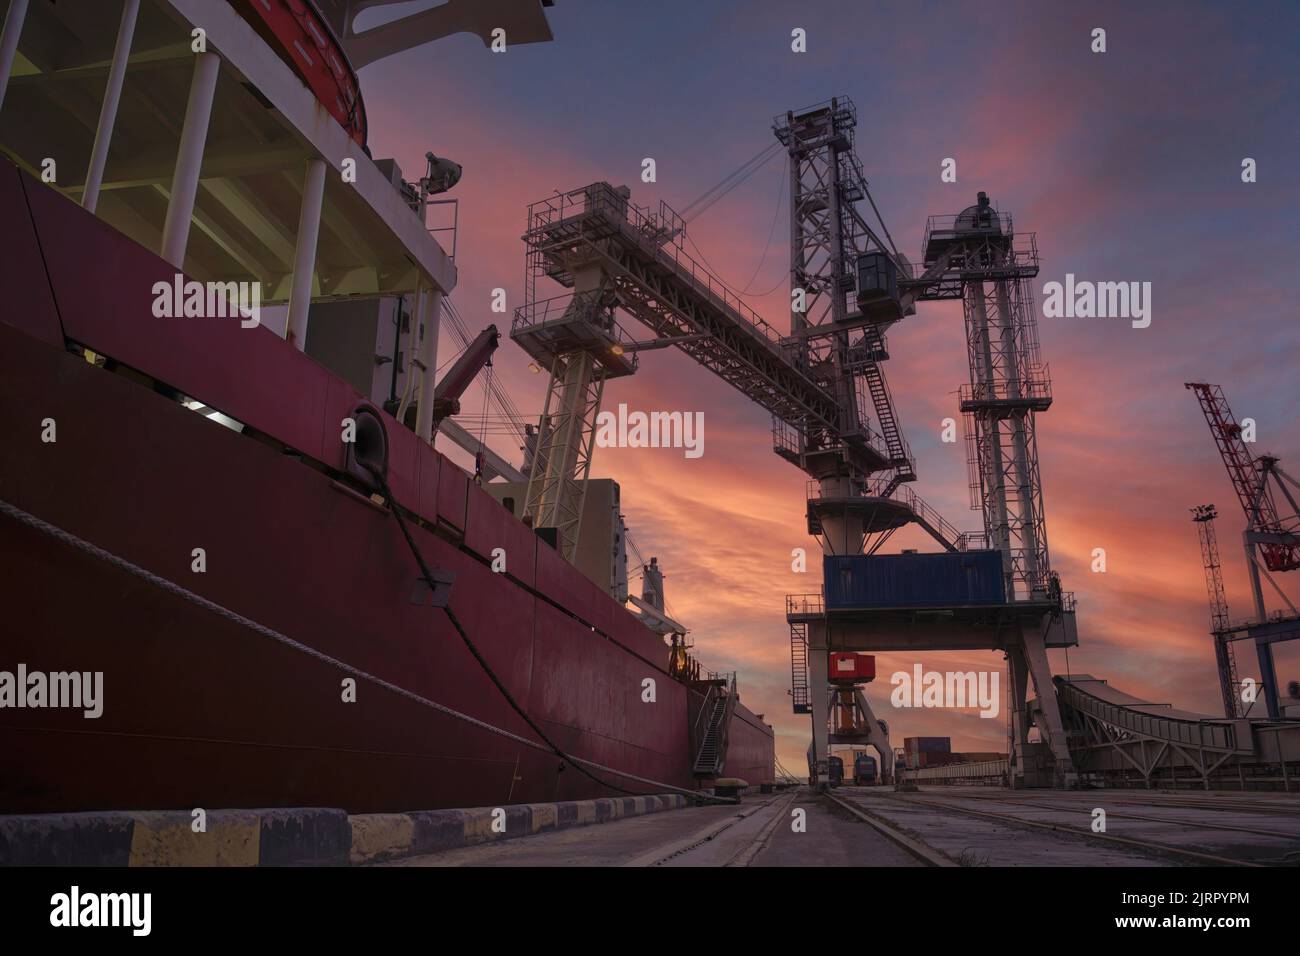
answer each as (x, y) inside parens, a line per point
(946, 579)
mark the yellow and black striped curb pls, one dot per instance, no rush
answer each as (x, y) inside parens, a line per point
(274, 837)
(392, 836)
(291, 836)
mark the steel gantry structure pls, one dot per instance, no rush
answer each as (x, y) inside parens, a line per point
(614, 255)
(577, 338)
(818, 382)
(977, 257)
(822, 383)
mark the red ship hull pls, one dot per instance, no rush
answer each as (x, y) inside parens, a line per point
(202, 711)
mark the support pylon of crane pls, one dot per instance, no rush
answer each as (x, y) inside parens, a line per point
(1271, 539)
(852, 721)
(576, 337)
(1225, 658)
(557, 486)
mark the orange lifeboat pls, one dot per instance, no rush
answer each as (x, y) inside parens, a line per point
(300, 36)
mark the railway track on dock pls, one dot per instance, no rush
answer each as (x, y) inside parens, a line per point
(1148, 847)
(1275, 809)
(909, 842)
(1127, 815)
(1153, 798)
(710, 835)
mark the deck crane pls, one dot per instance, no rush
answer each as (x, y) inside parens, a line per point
(1271, 538)
(477, 356)
(446, 403)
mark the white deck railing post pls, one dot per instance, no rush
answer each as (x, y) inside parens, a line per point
(108, 112)
(189, 158)
(9, 42)
(428, 359)
(304, 256)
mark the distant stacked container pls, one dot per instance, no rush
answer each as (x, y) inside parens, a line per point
(927, 751)
(977, 756)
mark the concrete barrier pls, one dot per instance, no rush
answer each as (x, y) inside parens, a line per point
(290, 837)
(378, 837)
(274, 837)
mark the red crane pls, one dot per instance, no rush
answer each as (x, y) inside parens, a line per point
(1272, 541)
(1250, 478)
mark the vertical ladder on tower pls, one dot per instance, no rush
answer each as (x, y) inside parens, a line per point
(799, 668)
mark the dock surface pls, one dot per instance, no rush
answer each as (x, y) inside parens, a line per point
(938, 826)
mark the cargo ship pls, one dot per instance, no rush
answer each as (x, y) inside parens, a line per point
(285, 595)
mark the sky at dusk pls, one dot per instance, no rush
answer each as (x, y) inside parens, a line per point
(1126, 164)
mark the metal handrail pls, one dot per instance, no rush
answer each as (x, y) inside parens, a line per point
(704, 709)
(805, 603)
(1036, 385)
(1152, 725)
(660, 234)
(725, 690)
(541, 311)
(876, 487)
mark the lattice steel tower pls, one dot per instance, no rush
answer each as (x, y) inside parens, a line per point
(1224, 657)
(837, 343)
(976, 256)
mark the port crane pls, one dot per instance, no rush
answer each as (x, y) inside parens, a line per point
(818, 382)
(823, 383)
(1267, 495)
(978, 257)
